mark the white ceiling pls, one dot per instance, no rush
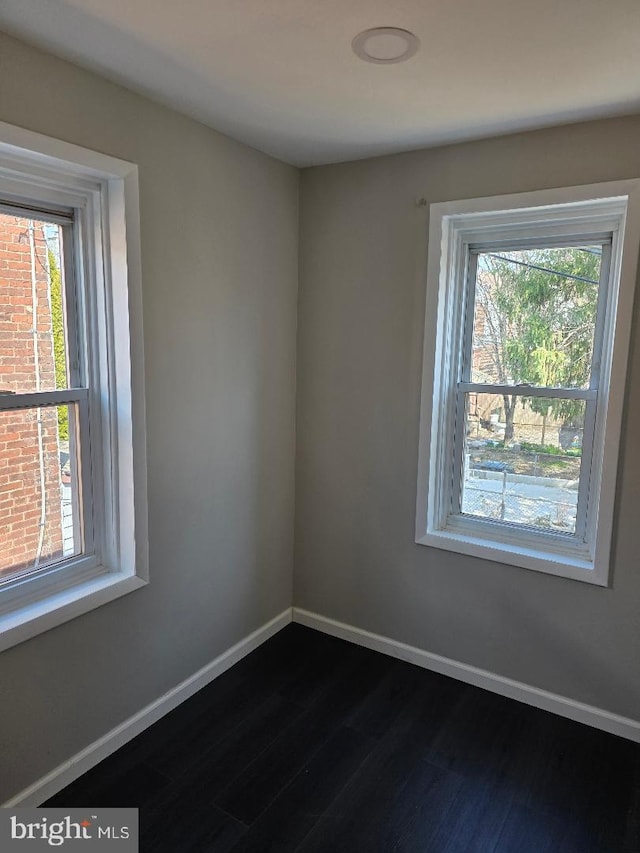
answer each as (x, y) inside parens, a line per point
(281, 75)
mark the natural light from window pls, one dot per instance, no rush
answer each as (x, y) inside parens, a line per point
(527, 325)
(39, 487)
(534, 322)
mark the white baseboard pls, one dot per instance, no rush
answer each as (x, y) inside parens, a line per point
(578, 711)
(100, 749)
(70, 770)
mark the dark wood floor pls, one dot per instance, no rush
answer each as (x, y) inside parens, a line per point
(313, 745)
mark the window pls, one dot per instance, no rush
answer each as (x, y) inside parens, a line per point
(72, 475)
(529, 302)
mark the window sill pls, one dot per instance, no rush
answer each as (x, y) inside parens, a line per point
(38, 616)
(567, 564)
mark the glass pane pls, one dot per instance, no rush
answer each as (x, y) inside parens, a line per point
(534, 316)
(33, 344)
(38, 488)
(522, 460)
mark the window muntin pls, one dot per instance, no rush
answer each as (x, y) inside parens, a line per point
(605, 219)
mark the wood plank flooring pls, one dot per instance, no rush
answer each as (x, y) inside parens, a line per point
(314, 745)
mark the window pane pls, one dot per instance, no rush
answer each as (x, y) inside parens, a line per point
(38, 488)
(534, 316)
(33, 345)
(522, 460)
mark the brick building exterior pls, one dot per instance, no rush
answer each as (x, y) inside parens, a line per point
(30, 479)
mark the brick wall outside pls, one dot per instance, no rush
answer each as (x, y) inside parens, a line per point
(20, 465)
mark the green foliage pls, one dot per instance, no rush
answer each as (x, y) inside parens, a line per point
(551, 449)
(550, 318)
(540, 323)
(59, 347)
(550, 465)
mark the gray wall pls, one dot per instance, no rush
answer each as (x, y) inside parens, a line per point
(363, 246)
(219, 262)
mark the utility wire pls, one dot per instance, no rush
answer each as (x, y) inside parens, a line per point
(597, 252)
(542, 269)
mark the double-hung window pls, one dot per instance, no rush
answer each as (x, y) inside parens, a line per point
(47, 483)
(527, 327)
(72, 472)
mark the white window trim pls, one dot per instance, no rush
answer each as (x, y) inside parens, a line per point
(455, 225)
(104, 192)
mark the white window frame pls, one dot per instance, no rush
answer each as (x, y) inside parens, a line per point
(37, 172)
(456, 230)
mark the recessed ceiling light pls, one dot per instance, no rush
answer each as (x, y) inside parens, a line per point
(385, 45)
